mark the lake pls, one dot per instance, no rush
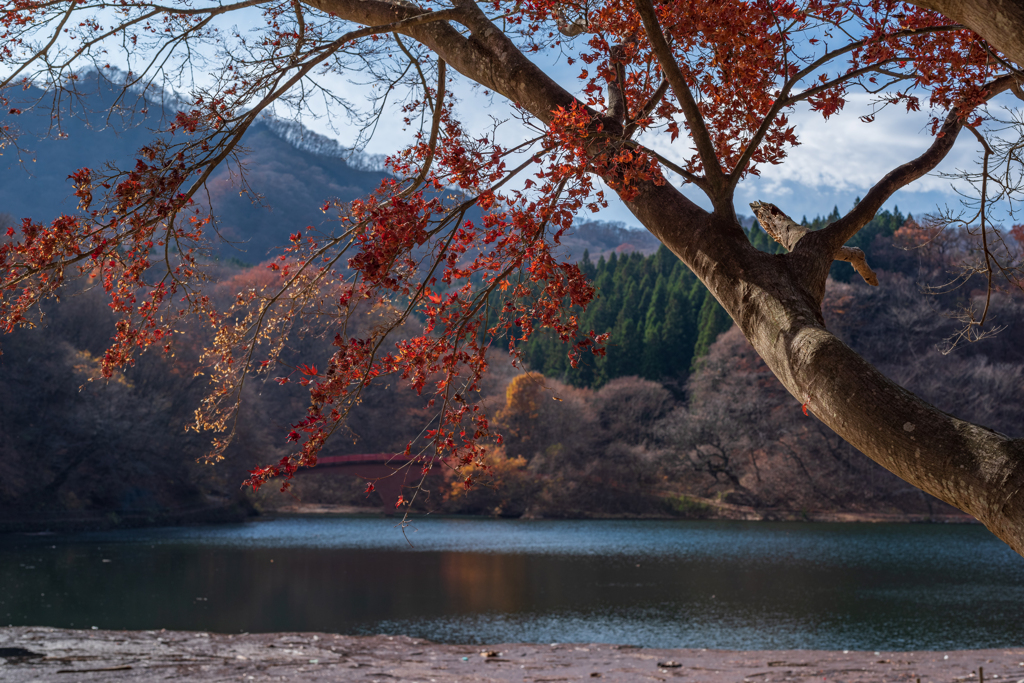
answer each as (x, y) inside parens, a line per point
(734, 585)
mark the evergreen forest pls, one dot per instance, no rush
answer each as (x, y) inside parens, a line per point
(660, 319)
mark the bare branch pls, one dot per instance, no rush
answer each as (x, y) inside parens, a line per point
(416, 63)
(717, 181)
(836, 235)
(435, 126)
(984, 232)
(788, 232)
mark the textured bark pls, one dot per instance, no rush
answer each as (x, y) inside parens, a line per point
(970, 467)
(775, 300)
(616, 100)
(1000, 22)
(788, 232)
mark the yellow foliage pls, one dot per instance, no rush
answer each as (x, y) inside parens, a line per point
(522, 401)
(497, 471)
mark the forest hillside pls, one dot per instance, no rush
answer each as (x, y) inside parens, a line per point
(679, 418)
(716, 434)
(676, 417)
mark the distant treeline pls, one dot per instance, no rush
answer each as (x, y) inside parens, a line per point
(720, 437)
(660, 317)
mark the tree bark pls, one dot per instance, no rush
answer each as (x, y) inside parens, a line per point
(999, 22)
(970, 467)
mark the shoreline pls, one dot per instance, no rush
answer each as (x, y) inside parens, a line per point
(49, 654)
(213, 516)
(727, 512)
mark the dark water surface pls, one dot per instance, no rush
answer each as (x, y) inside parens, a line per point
(733, 585)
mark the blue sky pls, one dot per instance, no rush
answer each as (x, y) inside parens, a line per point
(837, 161)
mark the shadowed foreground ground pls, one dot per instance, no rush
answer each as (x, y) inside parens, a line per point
(45, 654)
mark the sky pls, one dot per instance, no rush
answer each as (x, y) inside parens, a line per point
(837, 161)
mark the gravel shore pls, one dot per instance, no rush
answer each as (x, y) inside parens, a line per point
(46, 654)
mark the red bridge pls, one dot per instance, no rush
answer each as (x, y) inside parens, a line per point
(388, 472)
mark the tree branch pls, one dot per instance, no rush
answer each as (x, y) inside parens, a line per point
(837, 234)
(570, 28)
(617, 108)
(672, 166)
(416, 64)
(983, 215)
(788, 232)
(435, 126)
(838, 80)
(646, 110)
(717, 181)
(998, 21)
(829, 56)
(784, 100)
(487, 57)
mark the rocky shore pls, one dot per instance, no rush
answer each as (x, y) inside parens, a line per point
(44, 654)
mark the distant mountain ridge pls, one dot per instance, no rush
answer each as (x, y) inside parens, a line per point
(293, 169)
(306, 140)
(280, 164)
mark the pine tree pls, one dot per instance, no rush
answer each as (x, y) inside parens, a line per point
(665, 261)
(679, 334)
(626, 344)
(711, 322)
(655, 361)
(659, 317)
(587, 266)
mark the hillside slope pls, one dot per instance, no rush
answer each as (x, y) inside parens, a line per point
(292, 182)
(291, 171)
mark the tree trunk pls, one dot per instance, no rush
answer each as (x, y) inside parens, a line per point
(1000, 22)
(775, 302)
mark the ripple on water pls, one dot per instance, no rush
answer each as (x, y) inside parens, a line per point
(729, 585)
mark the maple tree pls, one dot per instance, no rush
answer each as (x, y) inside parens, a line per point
(719, 80)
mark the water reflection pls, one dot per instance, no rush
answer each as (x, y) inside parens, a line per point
(666, 584)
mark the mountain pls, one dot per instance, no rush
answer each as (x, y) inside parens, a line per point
(292, 170)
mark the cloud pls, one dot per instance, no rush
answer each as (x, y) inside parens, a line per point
(846, 154)
(840, 159)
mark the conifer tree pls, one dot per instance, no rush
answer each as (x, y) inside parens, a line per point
(655, 362)
(711, 322)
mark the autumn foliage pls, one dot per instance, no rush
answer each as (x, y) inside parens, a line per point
(459, 247)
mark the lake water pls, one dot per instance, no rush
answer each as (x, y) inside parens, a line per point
(732, 585)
